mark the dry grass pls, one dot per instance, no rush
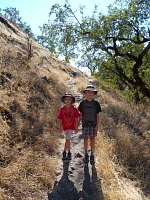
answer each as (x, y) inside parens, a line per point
(28, 136)
(30, 91)
(123, 148)
(116, 181)
(31, 173)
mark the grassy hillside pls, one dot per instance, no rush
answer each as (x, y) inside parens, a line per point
(31, 84)
(123, 147)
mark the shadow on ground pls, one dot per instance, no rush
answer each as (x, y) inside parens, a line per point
(64, 189)
(91, 189)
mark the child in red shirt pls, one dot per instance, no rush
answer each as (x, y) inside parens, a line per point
(69, 116)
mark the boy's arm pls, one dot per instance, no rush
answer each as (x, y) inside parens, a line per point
(60, 125)
(97, 122)
(79, 119)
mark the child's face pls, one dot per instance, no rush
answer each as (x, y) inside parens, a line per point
(68, 100)
(89, 94)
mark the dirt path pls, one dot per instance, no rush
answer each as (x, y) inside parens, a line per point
(75, 180)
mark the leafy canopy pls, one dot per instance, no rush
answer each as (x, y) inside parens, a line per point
(120, 40)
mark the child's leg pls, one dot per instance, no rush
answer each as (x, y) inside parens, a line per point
(66, 148)
(68, 134)
(86, 159)
(86, 138)
(92, 144)
(67, 145)
(86, 143)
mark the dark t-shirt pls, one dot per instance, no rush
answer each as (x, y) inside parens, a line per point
(89, 110)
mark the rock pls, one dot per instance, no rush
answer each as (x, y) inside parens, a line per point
(70, 172)
(78, 155)
(57, 173)
(72, 168)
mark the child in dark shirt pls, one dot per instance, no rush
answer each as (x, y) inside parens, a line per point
(89, 110)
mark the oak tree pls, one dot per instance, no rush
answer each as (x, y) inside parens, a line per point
(121, 38)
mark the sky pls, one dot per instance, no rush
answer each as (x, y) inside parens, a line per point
(36, 12)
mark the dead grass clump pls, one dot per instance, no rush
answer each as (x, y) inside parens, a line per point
(106, 169)
(134, 117)
(29, 111)
(81, 83)
(2, 194)
(115, 179)
(37, 86)
(4, 78)
(31, 175)
(6, 114)
(46, 143)
(28, 134)
(123, 145)
(127, 125)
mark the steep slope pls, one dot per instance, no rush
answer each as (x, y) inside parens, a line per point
(31, 84)
(123, 147)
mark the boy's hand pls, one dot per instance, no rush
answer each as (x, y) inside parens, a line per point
(96, 129)
(76, 130)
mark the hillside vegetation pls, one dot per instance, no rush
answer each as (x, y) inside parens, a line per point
(31, 84)
(123, 147)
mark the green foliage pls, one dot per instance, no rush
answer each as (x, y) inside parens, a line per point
(114, 47)
(13, 15)
(117, 44)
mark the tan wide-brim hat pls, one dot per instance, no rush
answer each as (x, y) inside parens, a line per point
(68, 95)
(90, 88)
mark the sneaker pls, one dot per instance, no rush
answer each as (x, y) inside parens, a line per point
(64, 156)
(86, 159)
(69, 156)
(92, 160)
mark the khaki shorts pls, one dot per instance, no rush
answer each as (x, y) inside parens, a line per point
(68, 134)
